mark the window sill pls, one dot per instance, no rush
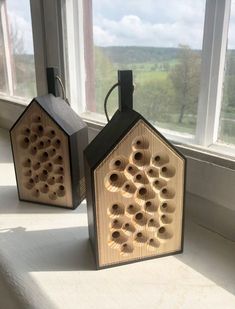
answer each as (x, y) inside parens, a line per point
(57, 249)
(14, 100)
(221, 155)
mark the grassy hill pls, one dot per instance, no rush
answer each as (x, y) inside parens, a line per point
(139, 54)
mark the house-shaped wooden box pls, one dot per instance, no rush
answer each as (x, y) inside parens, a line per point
(135, 188)
(48, 141)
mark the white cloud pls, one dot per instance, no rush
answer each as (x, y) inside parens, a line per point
(153, 22)
(132, 30)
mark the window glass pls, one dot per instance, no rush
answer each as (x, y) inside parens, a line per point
(19, 54)
(3, 79)
(227, 116)
(163, 48)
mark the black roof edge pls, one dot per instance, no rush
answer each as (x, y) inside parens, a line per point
(115, 140)
(38, 101)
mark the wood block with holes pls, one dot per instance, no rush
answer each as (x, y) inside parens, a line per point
(48, 141)
(135, 188)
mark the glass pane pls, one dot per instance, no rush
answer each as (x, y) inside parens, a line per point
(20, 49)
(163, 48)
(227, 116)
(3, 76)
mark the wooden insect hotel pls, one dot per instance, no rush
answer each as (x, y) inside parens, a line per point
(47, 143)
(135, 188)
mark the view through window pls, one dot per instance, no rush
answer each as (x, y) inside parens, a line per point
(17, 77)
(227, 116)
(161, 46)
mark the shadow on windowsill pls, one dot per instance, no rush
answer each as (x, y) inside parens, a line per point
(66, 249)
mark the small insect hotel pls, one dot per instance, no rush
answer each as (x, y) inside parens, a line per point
(48, 142)
(135, 188)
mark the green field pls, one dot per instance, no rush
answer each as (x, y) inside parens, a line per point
(167, 86)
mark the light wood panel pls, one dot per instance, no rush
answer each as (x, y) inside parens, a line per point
(139, 190)
(41, 156)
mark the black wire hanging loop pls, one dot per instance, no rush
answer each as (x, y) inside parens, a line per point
(106, 100)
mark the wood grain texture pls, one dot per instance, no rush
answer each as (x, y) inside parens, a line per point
(42, 161)
(139, 191)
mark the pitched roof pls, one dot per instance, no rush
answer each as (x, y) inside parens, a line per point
(59, 111)
(112, 133)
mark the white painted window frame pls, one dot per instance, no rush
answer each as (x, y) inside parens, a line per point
(215, 36)
(49, 32)
(5, 32)
(212, 74)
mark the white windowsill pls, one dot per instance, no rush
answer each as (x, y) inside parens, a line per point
(219, 154)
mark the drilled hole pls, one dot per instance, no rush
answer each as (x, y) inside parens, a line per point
(162, 230)
(142, 191)
(113, 177)
(118, 163)
(45, 155)
(115, 207)
(139, 216)
(138, 156)
(116, 234)
(157, 158)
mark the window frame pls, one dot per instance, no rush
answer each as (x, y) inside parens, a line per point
(49, 31)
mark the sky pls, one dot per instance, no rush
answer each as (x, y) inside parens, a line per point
(161, 23)
(20, 19)
(157, 23)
